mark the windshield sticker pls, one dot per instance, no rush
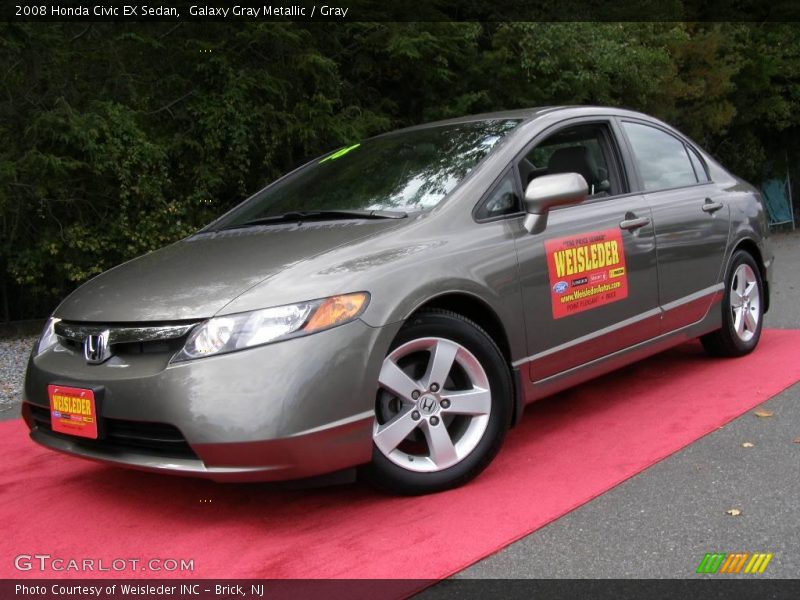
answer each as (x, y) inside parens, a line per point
(339, 153)
(586, 271)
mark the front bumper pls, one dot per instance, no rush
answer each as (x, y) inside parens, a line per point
(289, 410)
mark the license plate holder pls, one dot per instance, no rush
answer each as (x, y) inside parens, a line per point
(73, 411)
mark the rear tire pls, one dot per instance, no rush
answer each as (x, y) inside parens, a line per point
(742, 310)
(442, 408)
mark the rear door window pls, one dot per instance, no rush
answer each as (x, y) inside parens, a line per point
(662, 159)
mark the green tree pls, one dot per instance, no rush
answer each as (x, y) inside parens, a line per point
(119, 139)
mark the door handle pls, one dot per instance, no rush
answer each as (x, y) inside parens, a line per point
(710, 206)
(634, 223)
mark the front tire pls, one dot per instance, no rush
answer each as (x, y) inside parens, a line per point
(742, 310)
(442, 408)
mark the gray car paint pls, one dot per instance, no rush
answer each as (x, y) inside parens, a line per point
(197, 277)
(295, 389)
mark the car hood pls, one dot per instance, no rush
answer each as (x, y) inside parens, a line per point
(198, 276)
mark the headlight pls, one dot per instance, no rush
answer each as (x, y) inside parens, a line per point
(48, 338)
(245, 330)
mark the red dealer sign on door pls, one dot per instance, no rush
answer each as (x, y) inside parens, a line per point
(586, 270)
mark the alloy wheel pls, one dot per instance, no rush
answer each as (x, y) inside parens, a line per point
(433, 404)
(745, 302)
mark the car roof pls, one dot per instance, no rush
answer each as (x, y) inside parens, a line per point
(530, 114)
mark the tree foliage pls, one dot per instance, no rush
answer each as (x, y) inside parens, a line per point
(118, 139)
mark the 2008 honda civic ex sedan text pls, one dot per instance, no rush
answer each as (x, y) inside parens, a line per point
(394, 305)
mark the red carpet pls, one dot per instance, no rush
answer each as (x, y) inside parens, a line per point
(567, 450)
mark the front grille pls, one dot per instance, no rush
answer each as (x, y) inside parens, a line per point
(126, 338)
(158, 439)
(153, 347)
(124, 349)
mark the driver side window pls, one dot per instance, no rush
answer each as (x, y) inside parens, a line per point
(582, 149)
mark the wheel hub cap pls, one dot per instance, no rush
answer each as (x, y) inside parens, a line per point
(428, 404)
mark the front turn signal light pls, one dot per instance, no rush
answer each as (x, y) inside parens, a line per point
(337, 310)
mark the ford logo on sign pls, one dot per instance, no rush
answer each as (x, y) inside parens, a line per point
(560, 287)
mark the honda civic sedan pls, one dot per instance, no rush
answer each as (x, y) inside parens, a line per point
(389, 309)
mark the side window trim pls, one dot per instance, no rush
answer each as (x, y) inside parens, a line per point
(615, 158)
(699, 160)
(632, 170)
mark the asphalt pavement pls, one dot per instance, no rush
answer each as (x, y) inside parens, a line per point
(661, 522)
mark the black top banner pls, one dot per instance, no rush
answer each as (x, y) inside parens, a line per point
(400, 10)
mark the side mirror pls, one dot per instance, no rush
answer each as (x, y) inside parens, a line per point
(550, 191)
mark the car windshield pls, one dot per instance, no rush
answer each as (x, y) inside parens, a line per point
(399, 172)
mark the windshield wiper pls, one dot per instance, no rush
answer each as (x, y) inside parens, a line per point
(319, 215)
